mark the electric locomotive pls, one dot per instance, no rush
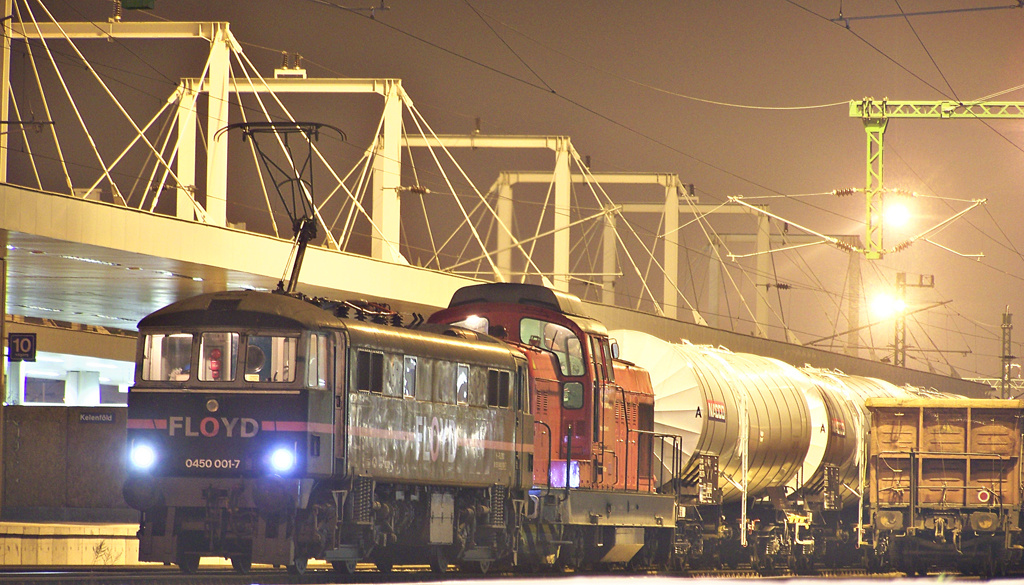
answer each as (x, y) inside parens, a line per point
(264, 428)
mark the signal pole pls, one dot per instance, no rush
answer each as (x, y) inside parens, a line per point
(1007, 350)
(899, 358)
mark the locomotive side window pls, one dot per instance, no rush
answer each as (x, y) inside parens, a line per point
(609, 371)
(497, 388)
(443, 384)
(167, 357)
(370, 371)
(394, 375)
(559, 339)
(409, 388)
(218, 356)
(523, 390)
(271, 358)
(462, 384)
(424, 378)
(317, 362)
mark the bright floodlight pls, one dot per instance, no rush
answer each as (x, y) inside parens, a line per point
(282, 460)
(885, 306)
(143, 456)
(896, 214)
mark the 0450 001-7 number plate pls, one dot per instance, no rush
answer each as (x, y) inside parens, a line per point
(213, 463)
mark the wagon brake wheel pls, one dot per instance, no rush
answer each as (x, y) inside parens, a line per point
(188, 563)
(299, 567)
(241, 564)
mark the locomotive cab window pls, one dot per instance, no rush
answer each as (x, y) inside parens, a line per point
(218, 356)
(167, 357)
(270, 358)
(558, 339)
(316, 361)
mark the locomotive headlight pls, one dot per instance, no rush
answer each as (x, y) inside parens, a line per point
(282, 459)
(143, 456)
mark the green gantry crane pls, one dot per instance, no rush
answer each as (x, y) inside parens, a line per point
(876, 114)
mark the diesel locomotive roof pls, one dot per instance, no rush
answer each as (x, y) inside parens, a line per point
(251, 309)
(521, 294)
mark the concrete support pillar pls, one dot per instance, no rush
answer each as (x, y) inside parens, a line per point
(82, 389)
(853, 309)
(387, 177)
(217, 118)
(15, 383)
(5, 87)
(504, 239)
(185, 165)
(671, 252)
(563, 184)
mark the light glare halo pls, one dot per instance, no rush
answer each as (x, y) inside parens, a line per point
(143, 456)
(282, 459)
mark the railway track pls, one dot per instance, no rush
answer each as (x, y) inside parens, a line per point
(364, 574)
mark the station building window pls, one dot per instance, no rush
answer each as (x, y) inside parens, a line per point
(57, 379)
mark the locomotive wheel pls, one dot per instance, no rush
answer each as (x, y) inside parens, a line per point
(385, 566)
(189, 564)
(299, 567)
(344, 567)
(438, 560)
(572, 555)
(242, 565)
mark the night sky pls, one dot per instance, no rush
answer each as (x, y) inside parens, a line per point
(737, 98)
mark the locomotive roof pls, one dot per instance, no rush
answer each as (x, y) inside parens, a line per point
(523, 294)
(256, 309)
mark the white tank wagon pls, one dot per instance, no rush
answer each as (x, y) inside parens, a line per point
(839, 435)
(701, 394)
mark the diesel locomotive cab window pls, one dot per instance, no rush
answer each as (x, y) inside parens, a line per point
(557, 338)
(167, 357)
(218, 357)
(270, 358)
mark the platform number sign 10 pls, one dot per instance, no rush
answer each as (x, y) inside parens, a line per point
(21, 347)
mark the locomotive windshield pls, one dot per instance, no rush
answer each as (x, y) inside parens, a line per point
(225, 356)
(558, 339)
